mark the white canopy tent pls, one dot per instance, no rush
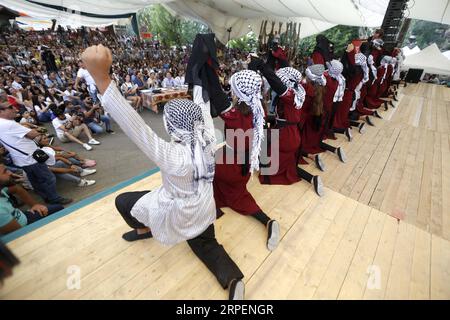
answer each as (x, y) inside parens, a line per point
(220, 15)
(430, 59)
(447, 54)
(408, 52)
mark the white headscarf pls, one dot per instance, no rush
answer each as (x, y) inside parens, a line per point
(246, 85)
(335, 69)
(385, 63)
(184, 122)
(291, 78)
(361, 60)
(371, 64)
(315, 74)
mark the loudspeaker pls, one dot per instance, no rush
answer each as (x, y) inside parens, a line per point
(414, 75)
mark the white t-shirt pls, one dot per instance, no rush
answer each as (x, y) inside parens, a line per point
(14, 134)
(84, 74)
(67, 94)
(57, 123)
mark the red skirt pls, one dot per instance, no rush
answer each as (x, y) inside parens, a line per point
(289, 144)
(341, 116)
(230, 189)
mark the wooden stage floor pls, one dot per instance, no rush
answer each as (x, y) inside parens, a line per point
(381, 231)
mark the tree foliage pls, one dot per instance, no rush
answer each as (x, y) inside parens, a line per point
(247, 43)
(427, 33)
(341, 36)
(170, 30)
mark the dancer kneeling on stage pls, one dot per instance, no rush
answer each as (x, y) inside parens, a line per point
(289, 101)
(314, 127)
(230, 181)
(183, 208)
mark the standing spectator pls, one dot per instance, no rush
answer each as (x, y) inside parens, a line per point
(18, 140)
(83, 74)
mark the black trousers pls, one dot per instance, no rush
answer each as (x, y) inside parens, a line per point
(205, 245)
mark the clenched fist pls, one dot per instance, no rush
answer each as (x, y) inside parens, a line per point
(98, 60)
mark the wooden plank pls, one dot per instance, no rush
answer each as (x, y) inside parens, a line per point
(337, 269)
(440, 266)
(419, 287)
(382, 261)
(357, 276)
(400, 272)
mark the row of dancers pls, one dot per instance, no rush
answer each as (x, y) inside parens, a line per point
(196, 181)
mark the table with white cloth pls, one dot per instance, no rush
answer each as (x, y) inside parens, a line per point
(151, 100)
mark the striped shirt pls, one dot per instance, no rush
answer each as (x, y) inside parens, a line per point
(177, 210)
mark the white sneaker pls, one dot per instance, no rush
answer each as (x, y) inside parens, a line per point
(87, 172)
(93, 141)
(87, 147)
(86, 183)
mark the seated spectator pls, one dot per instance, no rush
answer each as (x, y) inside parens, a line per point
(29, 122)
(18, 140)
(53, 81)
(168, 81)
(43, 111)
(139, 81)
(71, 95)
(11, 217)
(65, 170)
(179, 80)
(73, 157)
(95, 117)
(70, 128)
(129, 91)
(152, 81)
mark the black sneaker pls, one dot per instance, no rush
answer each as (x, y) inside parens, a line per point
(273, 234)
(319, 163)
(237, 290)
(362, 128)
(219, 213)
(318, 185)
(341, 155)
(376, 114)
(132, 235)
(348, 134)
(369, 121)
(110, 131)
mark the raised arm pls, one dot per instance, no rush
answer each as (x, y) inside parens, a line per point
(167, 156)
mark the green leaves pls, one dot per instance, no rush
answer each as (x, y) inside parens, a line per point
(170, 30)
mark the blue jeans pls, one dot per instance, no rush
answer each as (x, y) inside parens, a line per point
(93, 95)
(66, 176)
(45, 116)
(43, 181)
(97, 128)
(33, 217)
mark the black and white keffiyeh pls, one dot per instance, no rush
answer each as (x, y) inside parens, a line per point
(377, 43)
(385, 63)
(371, 64)
(184, 122)
(246, 86)
(291, 78)
(315, 74)
(335, 68)
(361, 60)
